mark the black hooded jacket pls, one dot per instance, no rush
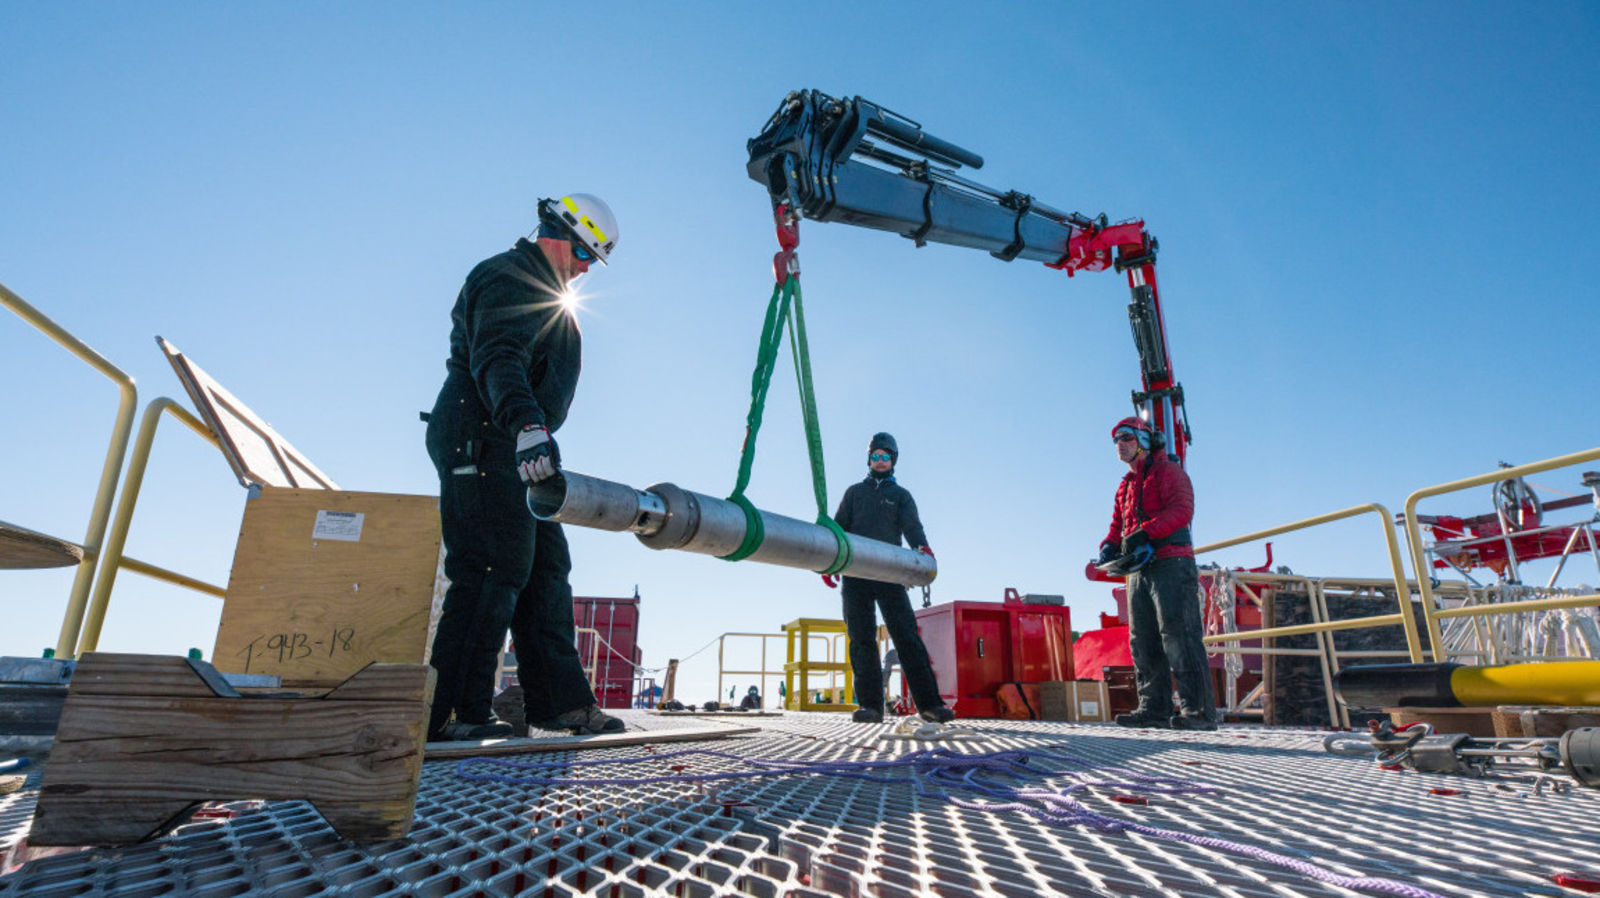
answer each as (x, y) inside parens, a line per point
(882, 510)
(513, 346)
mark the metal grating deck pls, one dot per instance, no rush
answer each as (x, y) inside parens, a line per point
(807, 835)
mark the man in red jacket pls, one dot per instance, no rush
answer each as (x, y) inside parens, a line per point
(1149, 541)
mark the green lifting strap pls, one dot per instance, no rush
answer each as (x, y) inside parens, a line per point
(784, 297)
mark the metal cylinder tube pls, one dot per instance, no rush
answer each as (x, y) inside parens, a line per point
(665, 516)
(592, 502)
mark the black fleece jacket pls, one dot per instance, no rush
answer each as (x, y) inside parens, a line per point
(882, 510)
(512, 343)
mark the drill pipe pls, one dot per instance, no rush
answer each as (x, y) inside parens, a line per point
(664, 516)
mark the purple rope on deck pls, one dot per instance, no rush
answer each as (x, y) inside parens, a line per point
(939, 772)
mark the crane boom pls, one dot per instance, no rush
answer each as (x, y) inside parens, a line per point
(855, 162)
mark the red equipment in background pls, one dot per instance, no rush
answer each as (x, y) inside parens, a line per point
(976, 647)
(616, 653)
(1108, 646)
(1511, 534)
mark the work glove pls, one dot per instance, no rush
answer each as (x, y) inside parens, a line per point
(830, 580)
(926, 550)
(1108, 552)
(1127, 563)
(537, 456)
(1134, 541)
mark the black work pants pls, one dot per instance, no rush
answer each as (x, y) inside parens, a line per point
(506, 569)
(1164, 638)
(862, 599)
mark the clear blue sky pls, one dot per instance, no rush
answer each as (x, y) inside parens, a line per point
(1378, 227)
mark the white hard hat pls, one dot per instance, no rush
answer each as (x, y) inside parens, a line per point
(586, 218)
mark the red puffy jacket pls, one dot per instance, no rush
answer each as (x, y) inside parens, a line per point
(1167, 505)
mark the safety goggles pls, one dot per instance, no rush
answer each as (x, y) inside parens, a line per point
(581, 252)
(880, 456)
(1125, 437)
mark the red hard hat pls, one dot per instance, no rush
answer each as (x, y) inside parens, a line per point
(1137, 425)
(1140, 428)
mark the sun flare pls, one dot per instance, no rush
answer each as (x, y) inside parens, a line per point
(571, 300)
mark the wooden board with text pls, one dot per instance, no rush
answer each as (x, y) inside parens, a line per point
(326, 582)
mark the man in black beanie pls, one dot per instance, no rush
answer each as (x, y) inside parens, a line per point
(881, 509)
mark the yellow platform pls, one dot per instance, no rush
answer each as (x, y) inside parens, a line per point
(798, 669)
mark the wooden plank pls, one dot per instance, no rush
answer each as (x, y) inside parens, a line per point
(703, 713)
(133, 754)
(440, 750)
(313, 603)
(24, 549)
(1472, 721)
(257, 454)
(116, 673)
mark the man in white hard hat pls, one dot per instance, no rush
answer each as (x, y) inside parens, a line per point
(515, 353)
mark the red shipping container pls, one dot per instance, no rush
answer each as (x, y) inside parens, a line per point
(617, 653)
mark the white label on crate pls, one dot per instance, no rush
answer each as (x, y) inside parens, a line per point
(341, 525)
(1089, 709)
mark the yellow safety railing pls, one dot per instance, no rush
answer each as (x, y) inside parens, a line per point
(1432, 615)
(1396, 567)
(831, 645)
(98, 517)
(1319, 614)
(592, 669)
(112, 555)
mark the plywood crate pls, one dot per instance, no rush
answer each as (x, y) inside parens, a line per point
(1542, 721)
(1090, 703)
(1079, 701)
(1472, 721)
(325, 582)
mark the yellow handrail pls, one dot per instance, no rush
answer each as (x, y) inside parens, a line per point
(77, 601)
(112, 555)
(1396, 567)
(1419, 562)
(723, 672)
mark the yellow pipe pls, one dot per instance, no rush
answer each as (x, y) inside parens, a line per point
(118, 538)
(1414, 532)
(101, 513)
(1544, 683)
(1455, 685)
(1396, 568)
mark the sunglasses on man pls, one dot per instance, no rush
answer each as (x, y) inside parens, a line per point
(1124, 437)
(581, 252)
(880, 456)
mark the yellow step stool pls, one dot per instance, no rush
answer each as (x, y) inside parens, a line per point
(798, 695)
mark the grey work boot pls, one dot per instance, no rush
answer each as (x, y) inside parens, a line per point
(458, 731)
(867, 715)
(589, 721)
(1144, 719)
(1193, 722)
(508, 707)
(941, 714)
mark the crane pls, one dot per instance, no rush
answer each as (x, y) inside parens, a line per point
(853, 161)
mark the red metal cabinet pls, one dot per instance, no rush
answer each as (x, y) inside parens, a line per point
(977, 646)
(1041, 643)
